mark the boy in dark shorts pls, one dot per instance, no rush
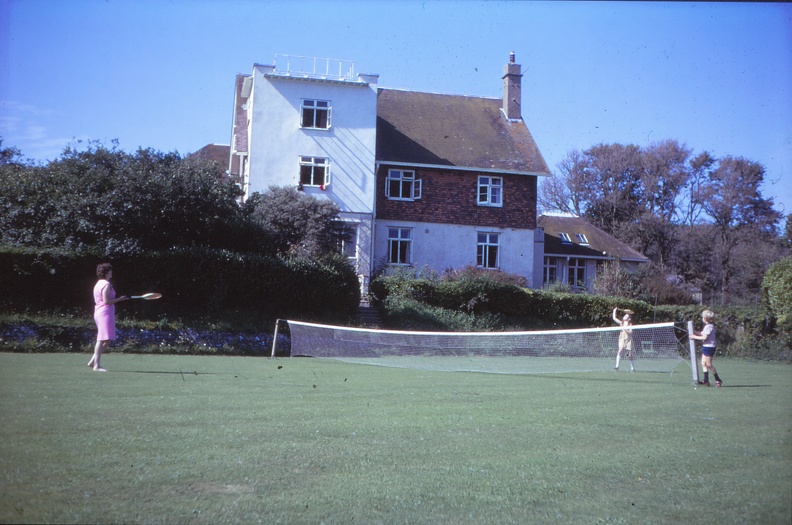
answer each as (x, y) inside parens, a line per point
(707, 336)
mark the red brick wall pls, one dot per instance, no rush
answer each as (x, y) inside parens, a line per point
(449, 197)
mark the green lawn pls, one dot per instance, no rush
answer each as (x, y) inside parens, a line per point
(178, 439)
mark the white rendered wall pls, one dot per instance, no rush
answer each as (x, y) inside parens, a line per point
(276, 140)
(443, 246)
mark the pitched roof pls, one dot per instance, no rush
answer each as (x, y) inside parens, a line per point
(600, 244)
(216, 152)
(455, 131)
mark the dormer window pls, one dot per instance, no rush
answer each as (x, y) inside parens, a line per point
(315, 114)
(581, 239)
(402, 186)
(565, 238)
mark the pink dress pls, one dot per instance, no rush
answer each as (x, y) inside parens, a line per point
(104, 314)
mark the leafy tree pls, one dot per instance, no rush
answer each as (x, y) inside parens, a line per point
(691, 211)
(11, 157)
(298, 223)
(777, 289)
(694, 216)
(99, 197)
(612, 175)
(733, 201)
(665, 174)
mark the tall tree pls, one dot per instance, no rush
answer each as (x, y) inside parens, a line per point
(613, 173)
(665, 174)
(566, 191)
(733, 200)
(692, 209)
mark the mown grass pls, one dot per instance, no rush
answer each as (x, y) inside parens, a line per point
(180, 439)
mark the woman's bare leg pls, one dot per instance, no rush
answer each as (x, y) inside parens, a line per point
(94, 363)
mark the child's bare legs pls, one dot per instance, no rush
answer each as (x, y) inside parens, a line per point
(618, 358)
(706, 366)
(630, 357)
(97, 355)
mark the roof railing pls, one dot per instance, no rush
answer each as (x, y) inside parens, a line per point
(312, 67)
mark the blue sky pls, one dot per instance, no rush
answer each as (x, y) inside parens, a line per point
(160, 73)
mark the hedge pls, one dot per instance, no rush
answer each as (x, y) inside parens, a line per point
(195, 283)
(742, 331)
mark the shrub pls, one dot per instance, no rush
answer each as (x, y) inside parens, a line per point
(777, 289)
(196, 283)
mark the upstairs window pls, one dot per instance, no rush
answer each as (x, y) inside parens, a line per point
(402, 185)
(581, 238)
(490, 191)
(565, 238)
(488, 249)
(314, 171)
(315, 114)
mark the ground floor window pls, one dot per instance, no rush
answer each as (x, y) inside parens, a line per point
(577, 272)
(399, 245)
(347, 243)
(550, 270)
(488, 248)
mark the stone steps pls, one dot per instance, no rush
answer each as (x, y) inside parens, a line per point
(369, 317)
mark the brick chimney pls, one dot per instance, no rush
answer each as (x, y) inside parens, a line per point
(512, 86)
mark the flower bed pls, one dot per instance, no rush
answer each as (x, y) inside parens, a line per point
(28, 337)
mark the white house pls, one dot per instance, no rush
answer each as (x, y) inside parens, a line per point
(423, 179)
(311, 123)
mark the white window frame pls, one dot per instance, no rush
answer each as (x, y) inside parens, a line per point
(408, 187)
(576, 267)
(312, 163)
(582, 239)
(565, 238)
(485, 243)
(490, 191)
(310, 109)
(550, 273)
(348, 245)
(400, 247)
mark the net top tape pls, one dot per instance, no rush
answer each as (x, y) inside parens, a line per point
(488, 334)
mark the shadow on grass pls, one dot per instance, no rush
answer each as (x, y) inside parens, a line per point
(170, 372)
(633, 379)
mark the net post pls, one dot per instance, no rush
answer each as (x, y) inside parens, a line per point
(275, 338)
(693, 364)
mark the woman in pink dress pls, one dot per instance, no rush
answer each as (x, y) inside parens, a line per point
(104, 313)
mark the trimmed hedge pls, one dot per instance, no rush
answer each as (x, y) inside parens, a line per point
(742, 331)
(195, 282)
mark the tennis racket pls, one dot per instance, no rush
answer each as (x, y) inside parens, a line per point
(147, 297)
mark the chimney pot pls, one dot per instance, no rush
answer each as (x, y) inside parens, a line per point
(511, 89)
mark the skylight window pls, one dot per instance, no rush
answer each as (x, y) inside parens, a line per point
(581, 238)
(565, 238)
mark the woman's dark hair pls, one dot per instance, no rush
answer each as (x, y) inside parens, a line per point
(103, 269)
